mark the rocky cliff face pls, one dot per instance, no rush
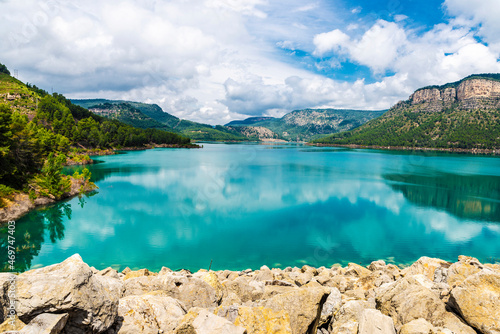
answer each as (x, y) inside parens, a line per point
(470, 94)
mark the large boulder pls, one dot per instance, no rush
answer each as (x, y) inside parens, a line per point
(201, 321)
(418, 326)
(46, 323)
(410, 298)
(347, 318)
(459, 271)
(191, 291)
(477, 299)
(12, 325)
(257, 320)
(302, 305)
(331, 306)
(374, 322)
(69, 287)
(149, 314)
(425, 266)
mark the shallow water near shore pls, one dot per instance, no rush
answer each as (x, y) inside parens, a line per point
(246, 205)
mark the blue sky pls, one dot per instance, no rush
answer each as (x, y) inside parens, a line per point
(218, 60)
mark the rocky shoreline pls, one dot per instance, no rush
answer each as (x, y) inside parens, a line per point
(405, 148)
(21, 204)
(430, 296)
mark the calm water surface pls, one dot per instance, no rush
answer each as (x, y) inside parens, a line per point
(244, 206)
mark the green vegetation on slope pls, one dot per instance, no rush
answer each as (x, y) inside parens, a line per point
(38, 130)
(307, 124)
(403, 127)
(154, 115)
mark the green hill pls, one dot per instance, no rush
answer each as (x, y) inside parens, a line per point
(146, 115)
(461, 115)
(307, 124)
(37, 128)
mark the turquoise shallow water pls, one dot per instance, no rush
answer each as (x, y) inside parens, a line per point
(244, 206)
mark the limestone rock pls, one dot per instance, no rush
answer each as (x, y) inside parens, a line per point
(377, 265)
(257, 320)
(410, 298)
(245, 288)
(347, 319)
(201, 321)
(46, 323)
(191, 291)
(9, 325)
(149, 314)
(425, 266)
(109, 272)
(373, 322)
(478, 301)
(70, 287)
(138, 273)
(459, 271)
(302, 305)
(418, 326)
(212, 280)
(331, 306)
(355, 270)
(264, 274)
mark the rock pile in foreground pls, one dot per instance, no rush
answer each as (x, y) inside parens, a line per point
(430, 296)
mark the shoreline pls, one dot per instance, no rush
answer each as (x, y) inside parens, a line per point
(429, 296)
(21, 204)
(405, 148)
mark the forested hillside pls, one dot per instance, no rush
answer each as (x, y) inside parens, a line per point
(146, 115)
(40, 131)
(460, 115)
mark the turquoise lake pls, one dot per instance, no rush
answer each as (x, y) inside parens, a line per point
(247, 205)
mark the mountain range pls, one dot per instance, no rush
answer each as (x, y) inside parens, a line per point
(298, 125)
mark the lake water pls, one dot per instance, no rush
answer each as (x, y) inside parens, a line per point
(245, 205)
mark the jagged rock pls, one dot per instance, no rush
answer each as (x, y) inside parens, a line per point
(9, 325)
(331, 306)
(212, 280)
(110, 272)
(418, 326)
(245, 288)
(191, 291)
(347, 319)
(257, 320)
(138, 273)
(46, 323)
(373, 322)
(410, 298)
(425, 266)
(164, 271)
(302, 305)
(264, 274)
(459, 271)
(377, 265)
(355, 270)
(5, 284)
(477, 299)
(149, 314)
(70, 287)
(200, 321)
